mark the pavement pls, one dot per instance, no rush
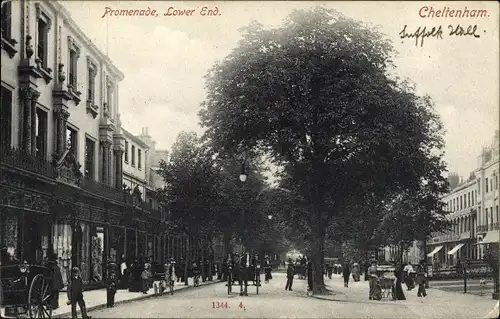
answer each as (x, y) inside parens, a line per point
(438, 303)
(213, 301)
(96, 299)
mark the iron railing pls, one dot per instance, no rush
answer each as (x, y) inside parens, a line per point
(104, 190)
(21, 159)
(481, 228)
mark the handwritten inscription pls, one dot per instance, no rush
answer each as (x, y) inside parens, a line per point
(169, 12)
(422, 33)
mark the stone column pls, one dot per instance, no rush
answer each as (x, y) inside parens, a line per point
(29, 97)
(105, 160)
(61, 127)
(34, 128)
(118, 168)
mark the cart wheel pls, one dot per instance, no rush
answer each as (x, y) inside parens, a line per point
(156, 289)
(39, 298)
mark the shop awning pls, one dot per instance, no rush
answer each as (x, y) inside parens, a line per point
(432, 253)
(455, 249)
(491, 237)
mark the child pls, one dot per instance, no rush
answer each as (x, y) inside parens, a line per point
(146, 277)
(111, 285)
(75, 294)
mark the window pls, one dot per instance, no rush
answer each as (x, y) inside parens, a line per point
(71, 141)
(468, 195)
(473, 203)
(91, 85)
(43, 38)
(486, 185)
(497, 213)
(6, 20)
(109, 96)
(479, 219)
(491, 215)
(89, 158)
(133, 155)
(126, 152)
(491, 184)
(460, 202)
(479, 185)
(496, 181)
(73, 58)
(139, 156)
(41, 133)
(6, 116)
(486, 214)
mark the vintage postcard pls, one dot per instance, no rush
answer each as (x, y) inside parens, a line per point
(249, 159)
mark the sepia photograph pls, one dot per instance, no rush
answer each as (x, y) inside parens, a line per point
(249, 159)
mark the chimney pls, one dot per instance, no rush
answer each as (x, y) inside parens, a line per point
(147, 130)
(453, 180)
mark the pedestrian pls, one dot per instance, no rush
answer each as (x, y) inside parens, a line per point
(75, 294)
(124, 274)
(372, 275)
(310, 275)
(267, 270)
(421, 277)
(146, 276)
(111, 285)
(408, 279)
(196, 274)
(290, 272)
(398, 289)
(346, 272)
(56, 282)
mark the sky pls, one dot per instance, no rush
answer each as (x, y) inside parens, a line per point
(165, 58)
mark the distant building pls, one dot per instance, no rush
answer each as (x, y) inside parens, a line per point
(473, 207)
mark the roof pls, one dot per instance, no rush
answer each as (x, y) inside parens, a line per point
(76, 29)
(135, 139)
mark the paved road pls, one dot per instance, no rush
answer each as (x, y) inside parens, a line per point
(274, 302)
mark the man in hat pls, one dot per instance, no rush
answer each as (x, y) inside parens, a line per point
(75, 294)
(57, 281)
(111, 285)
(290, 272)
(267, 269)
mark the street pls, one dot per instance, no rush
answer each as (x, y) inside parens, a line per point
(274, 302)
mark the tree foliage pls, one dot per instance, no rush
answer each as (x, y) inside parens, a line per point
(205, 193)
(315, 94)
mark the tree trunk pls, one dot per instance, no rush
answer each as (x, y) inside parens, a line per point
(317, 259)
(202, 262)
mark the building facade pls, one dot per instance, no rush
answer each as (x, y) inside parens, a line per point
(473, 209)
(62, 148)
(487, 229)
(457, 243)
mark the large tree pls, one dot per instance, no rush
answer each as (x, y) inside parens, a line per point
(315, 94)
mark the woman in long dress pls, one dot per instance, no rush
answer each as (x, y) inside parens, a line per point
(398, 272)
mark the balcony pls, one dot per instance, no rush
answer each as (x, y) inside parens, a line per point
(25, 161)
(104, 190)
(494, 226)
(446, 238)
(482, 228)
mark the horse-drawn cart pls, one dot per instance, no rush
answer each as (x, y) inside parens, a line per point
(25, 290)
